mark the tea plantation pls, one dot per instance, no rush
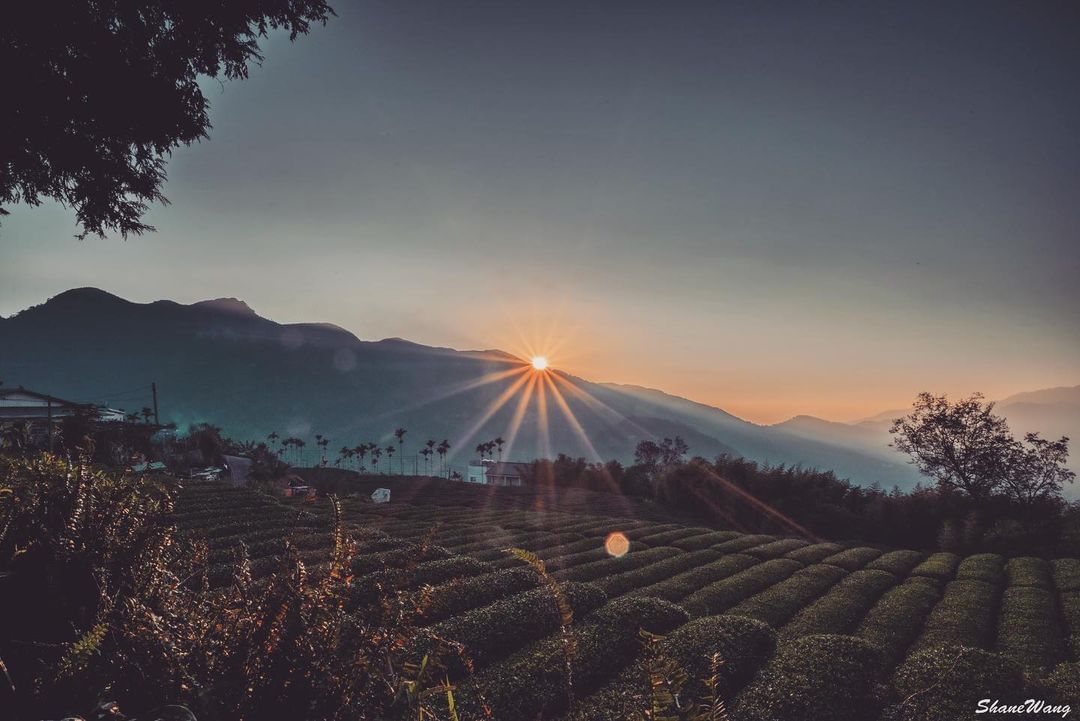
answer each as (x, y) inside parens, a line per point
(806, 630)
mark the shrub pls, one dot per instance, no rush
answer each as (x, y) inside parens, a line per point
(842, 607)
(988, 567)
(944, 683)
(1027, 571)
(815, 552)
(743, 542)
(814, 678)
(853, 559)
(1070, 612)
(776, 605)
(464, 594)
(898, 616)
(898, 563)
(705, 540)
(496, 630)
(529, 685)
(679, 587)
(367, 588)
(1028, 631)
(619, 584)
(1066, 573)
(665, 538)
(743, 644)
(1064, 683)
(964, 616)
(776, 549)
(559, 549)
(941, 566)
(609, 565)
(719, 596)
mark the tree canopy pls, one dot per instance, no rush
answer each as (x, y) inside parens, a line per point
(966, 447)
(98, 94)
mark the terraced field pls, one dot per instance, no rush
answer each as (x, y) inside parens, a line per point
(807, 630)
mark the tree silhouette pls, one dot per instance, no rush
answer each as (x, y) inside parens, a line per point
(426, 453)
(399, 433)
(361, 453)
(105, 91)
(499, 442)
(389, 450)
(376, 454)
(442, 449)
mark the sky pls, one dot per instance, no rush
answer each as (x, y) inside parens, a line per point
(776, 208)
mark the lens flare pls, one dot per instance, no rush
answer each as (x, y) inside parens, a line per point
(617, 544)
(539, 362)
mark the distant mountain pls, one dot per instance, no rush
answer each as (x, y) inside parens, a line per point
(219, 361)
(1052, 412)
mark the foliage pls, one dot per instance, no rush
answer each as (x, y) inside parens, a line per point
(111, 598)
(814, 678)
(943, 683)
(719, 596)
(106, 90)
(898, 616)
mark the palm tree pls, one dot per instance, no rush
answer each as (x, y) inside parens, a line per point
(442, 450)
(376, 454)
(272, 437)
(389, 450)
(147, 411)
(343, 455)
(361, 452)
(499, 444)
(430, 445)
(300, 450)
(426, 453)
(399, 433)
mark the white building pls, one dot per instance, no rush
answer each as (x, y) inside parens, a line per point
(498, 473)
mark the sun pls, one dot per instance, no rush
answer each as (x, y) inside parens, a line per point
(539, 362)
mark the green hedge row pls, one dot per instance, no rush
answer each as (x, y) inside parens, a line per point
(815, 553)
(852, 559)
(777, 604)
(743, 644)
(665, 538)
(719, 596)
(1066, 572)
(367, 588)
(898, 563)
(496, 630)
(814, 678)
(678, 587)
(619, 584)
(988, 567)
(1028, 629)
(705, 540)
(941, 566)
(965, 615)
(1070, 613)
(743, 542)
(898, 617)
(609, 566)
(560, 549)
(1027, 571)
(532, 683)
(465, 594)
(776, 549)
(944, 683)
(842, 608)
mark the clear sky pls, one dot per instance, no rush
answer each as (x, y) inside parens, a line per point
(776, 208)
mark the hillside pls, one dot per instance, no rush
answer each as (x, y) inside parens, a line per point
(219, 361)
(797, 621)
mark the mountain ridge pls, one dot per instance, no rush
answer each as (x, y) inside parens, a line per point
(220, 361)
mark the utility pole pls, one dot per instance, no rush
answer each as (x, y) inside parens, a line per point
(153, 390)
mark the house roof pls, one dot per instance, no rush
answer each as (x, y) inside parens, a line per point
(508, 468)
(22, 396)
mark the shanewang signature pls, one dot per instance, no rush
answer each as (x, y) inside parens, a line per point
(1030, 706)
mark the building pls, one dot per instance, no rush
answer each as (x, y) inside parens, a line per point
(498, 473)
(36, 415)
